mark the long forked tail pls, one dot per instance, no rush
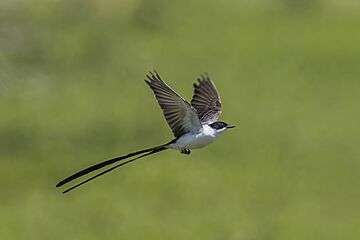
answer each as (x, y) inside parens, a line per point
(90, 169)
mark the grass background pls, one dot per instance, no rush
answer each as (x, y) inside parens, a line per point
(72, 94)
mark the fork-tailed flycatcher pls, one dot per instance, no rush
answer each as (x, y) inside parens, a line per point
(194, 124)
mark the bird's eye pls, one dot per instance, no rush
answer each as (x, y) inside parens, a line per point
(218, 125)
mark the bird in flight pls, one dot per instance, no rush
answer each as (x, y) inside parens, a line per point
(194, 124)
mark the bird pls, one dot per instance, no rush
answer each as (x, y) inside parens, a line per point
(194, 125)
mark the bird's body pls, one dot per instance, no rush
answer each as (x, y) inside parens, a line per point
(193, 140)
(194, 125)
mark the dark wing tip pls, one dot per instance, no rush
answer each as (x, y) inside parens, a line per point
(153, 76)
(156, 73)
(204, 77)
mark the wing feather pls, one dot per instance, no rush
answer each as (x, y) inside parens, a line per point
(206, 100)
(179, 114)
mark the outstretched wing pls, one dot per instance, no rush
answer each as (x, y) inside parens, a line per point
(206, 100)
(179, 114)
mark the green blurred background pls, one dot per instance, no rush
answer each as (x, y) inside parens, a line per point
(72, 94)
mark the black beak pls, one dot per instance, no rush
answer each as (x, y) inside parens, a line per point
(230, 126)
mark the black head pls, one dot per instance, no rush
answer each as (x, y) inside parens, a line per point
(220, 125)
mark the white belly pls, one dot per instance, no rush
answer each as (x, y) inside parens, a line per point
(194, 140)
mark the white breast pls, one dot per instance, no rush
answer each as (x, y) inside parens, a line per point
(196, 140)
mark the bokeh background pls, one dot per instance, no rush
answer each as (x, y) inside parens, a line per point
(72, 94)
